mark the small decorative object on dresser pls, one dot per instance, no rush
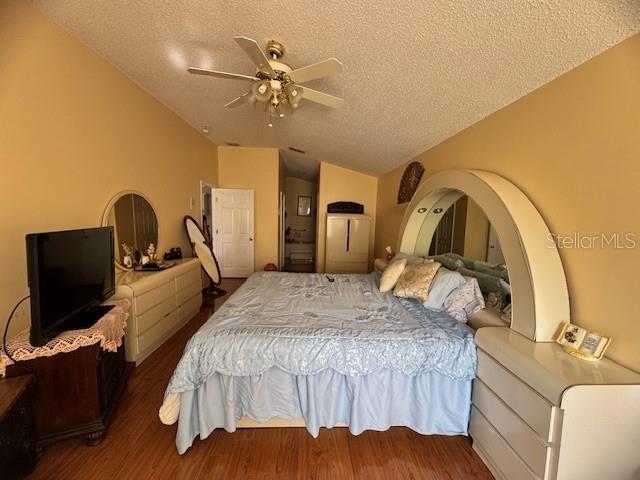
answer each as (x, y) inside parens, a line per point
(80, 376)
(582, 344)
(17, 448)
(409, 182)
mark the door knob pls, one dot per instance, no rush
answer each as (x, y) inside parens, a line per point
(251, 239)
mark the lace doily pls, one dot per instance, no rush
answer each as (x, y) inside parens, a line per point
(108, 330)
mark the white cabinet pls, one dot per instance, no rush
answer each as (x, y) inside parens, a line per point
(347, 245)
(539, 413)
(161, 303)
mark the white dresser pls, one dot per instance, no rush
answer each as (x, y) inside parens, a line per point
(539, 413)
(161, 303)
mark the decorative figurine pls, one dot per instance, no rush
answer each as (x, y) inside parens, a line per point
(151, 253)
(128, 257)
(389, 253)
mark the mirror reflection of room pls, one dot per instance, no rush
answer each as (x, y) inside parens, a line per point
(465, 241)
(135, 224)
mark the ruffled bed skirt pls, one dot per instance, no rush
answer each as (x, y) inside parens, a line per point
(430, 403)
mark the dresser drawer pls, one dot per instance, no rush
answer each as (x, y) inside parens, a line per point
(189, 308)
(150, 299)
(188, 292)
(149, 338)
(531, 407)
(492, 445)
(189, 278)
(156, 314)
(522, 439)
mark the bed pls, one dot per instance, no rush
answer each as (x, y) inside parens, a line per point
(329, 349)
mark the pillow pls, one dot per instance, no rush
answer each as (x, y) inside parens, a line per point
(416, 280)
(411, 259)
(488, 283)
(391, 274)
(465, 301)
(483, 267)
(466, 262)
(449, 262)
(445, 282)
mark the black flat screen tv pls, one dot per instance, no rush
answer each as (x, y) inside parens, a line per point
(70, 273)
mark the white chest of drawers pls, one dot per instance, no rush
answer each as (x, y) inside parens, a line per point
(161, 303)
(539, 413)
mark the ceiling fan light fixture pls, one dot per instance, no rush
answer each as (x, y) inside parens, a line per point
(294, 94)
(275, 83)
(261, 91)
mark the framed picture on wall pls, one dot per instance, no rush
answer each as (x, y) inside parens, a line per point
(304, 206)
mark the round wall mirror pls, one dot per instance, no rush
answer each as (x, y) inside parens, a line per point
(135, 226)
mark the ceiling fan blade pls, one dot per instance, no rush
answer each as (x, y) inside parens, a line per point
(236, 102)
(326, 68)
(255, 53)
(215, 73)
(321, 98)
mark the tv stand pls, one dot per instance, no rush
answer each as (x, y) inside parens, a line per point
(76, 391)
(86, 318)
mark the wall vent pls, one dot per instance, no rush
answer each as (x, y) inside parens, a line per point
(297, 150)
(232, 144)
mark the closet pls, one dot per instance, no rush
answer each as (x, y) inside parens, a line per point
(347, 245)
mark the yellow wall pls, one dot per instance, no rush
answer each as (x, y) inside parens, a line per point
(341, 184)
(476, 232)
(256, 169)
(73, 132)
(573, 147)
(295, 187)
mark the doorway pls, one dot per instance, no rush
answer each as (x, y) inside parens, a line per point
(233, 231)
(300, 201)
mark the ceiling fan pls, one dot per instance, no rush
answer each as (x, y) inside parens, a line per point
(275, 83)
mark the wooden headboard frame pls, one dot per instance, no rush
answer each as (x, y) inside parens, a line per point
(540, 298)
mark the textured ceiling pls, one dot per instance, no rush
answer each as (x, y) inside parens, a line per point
(416, 72)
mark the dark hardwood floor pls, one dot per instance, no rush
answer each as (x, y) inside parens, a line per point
(138, 446)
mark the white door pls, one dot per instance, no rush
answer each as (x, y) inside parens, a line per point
(494, 250)
(234, 231)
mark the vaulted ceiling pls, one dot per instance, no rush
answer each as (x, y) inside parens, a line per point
(416, 72)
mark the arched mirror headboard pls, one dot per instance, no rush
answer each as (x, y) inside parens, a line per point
(540, 296)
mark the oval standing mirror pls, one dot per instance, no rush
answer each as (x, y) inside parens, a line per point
(202, 250)
(135, 226)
